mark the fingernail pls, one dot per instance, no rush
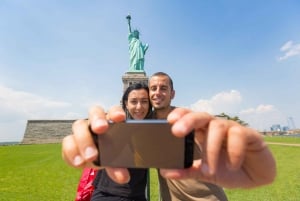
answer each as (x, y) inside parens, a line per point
(78, 160)
(89, 153)
(99, 122)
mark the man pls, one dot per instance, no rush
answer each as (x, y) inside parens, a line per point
(233, 156)
(161, 93)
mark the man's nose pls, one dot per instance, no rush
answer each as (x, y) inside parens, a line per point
(157, 91)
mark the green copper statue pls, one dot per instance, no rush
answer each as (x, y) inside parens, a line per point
(137, 50)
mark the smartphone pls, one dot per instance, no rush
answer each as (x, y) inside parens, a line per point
(144, 144)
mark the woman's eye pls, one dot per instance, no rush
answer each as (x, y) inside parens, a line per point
(133, 102)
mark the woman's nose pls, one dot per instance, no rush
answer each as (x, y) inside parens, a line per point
(139, 105)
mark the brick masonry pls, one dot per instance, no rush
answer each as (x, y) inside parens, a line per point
(46, 131)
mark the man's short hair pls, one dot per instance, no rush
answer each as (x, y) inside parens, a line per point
(164, 74)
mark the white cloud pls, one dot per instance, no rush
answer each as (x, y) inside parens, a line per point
(18, 106)
(260, 109)
(26, 104)
(289, 49)
(286, 46)
(260, 117)
(227, 101)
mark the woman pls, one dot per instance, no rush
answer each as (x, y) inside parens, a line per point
(136, 104)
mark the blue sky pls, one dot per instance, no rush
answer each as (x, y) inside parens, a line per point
(58, 58)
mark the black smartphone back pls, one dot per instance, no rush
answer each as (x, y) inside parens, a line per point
(144, 144)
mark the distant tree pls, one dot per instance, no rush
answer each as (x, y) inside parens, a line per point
(235, 118)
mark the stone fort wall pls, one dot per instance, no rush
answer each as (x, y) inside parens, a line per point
(53, 131)
(46, 131)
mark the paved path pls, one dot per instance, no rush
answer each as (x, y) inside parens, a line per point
(284, 144)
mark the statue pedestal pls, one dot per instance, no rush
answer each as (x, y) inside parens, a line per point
(130, 78)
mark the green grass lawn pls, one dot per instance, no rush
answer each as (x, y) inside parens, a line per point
(286, 186)
(283, 139)
(37, 173)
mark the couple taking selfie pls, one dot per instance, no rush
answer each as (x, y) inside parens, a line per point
(227, 154)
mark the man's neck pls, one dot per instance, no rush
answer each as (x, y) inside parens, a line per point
(162, 113)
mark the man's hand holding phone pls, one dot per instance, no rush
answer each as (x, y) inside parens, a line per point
(233, 156)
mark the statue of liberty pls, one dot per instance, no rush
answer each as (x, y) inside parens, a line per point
(137, 50)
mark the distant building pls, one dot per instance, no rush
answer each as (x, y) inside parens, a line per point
(275, 127)
(285, 128)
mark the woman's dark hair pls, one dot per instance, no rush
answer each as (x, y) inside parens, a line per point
(135, 86)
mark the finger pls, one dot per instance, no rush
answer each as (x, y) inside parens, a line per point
(84, 141)
(216, 134)
(190, 121)
(97, 120)
(70, 152)
(176, 114)
(119, 175)
(236, 145)
(116, 114)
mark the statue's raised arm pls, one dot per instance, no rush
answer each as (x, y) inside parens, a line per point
(128, 17)
(137, 50)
